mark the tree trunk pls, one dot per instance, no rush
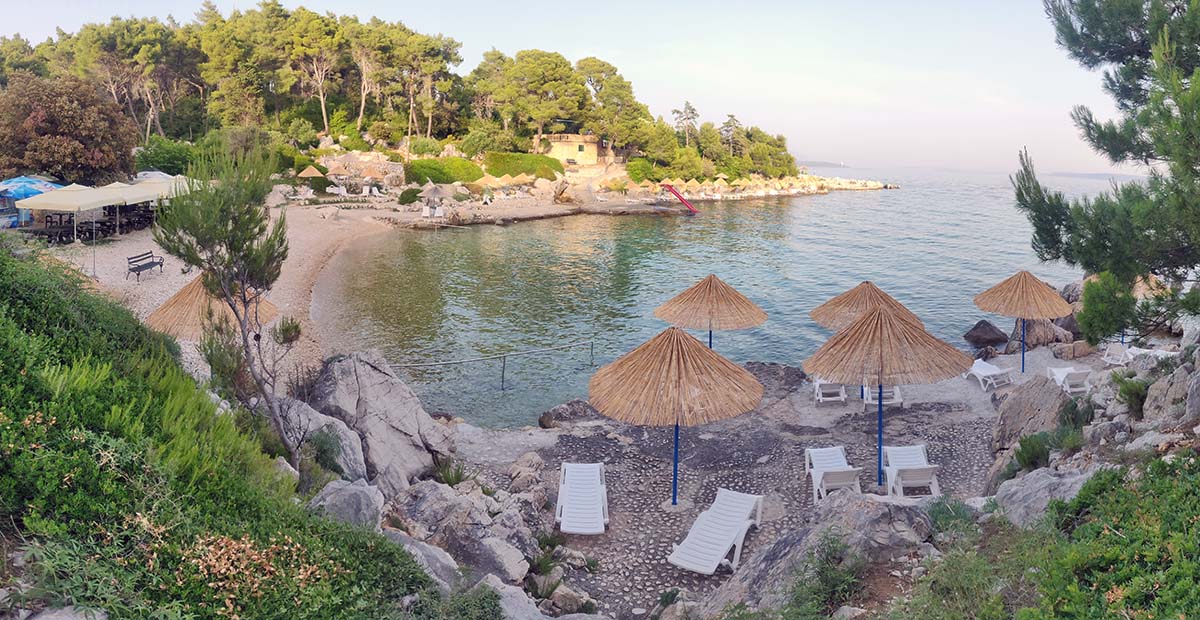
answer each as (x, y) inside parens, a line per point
(362, 105)
(429, 106)
(324, 113)
(412, 112)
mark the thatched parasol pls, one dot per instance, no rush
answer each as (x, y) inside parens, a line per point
(374, 172)
(337, 168)
(182, 316)
(310, 172)
(1024, 296)
(841, 311)
(884, 346)
(711, 304)
(673, 380)
(1144, 287)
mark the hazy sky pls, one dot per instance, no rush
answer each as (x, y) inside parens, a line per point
(952, 84)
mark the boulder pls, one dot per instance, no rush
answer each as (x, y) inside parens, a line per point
(1023, 500)
(1191, 410)
(1072, 291)
(304, 422)
(1083, 348)
(436, 562)
(1103, 432)
(356, 503)
(70, 613)
(986, 353)
(1032, 407)
(1038, 332)
(846, 612)
(517, 605)
(1153, 440)
(284, 467)
(985, 334)
(1071, 324)
(874, 527)
(1165, 397)
(399, 439)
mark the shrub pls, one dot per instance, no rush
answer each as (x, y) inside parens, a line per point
(827, 578)
(640, 168)
(409, 196)
(1067, 440)
(1076, 413)
(487, 137)
(166, 156)
(951, 516)
(1033, 451)
(962, 585)
(1132, 392)
(354, 142)
(301, 133)
(514, 164)
(451, 472)
(442, 170)
(425, 146)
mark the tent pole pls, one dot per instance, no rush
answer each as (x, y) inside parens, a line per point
(1022, 346)
(675, 470)
(879, 479)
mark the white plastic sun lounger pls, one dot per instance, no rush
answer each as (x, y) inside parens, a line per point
(717, 531)
(1071, 380)
(1115, 355)
(907, 467)
(989, 375)
(1133, 352)
(582, 499)
(828, 392)
(827, 469)
(891, 396)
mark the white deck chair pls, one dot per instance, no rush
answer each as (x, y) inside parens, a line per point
(891, 396)
(1115, 355)
(426, 211)
(1072, 380)
(989, 375)
(827, 469)
(824, 392)
(582, 499)
(717, 531)
(908, 466)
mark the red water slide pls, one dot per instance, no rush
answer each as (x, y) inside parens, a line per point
(692, 210)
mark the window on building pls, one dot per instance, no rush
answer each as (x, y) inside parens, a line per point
(580, 148)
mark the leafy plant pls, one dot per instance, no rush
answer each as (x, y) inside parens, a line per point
(425, 146)
(950, 515)
(409, 196)
(451, 472)
(442, 170)
(543, 563)
(1033, 451)
(516, 164)
(827, 578)
(1132, 392)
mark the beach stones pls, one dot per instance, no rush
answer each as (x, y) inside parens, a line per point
(984, 334)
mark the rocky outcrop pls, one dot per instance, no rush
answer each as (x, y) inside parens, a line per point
(872, 526)
(1038, 332)
(356, 503)
(517, 605)
(1165, 397)
(437, 563)
(399, 439)
(1023, 500)
(304, 422)
(1072, 350)
(985, 334)
(1032, 407)
(778, 380)
(478, 531)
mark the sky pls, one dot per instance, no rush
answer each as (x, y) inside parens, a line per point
(942, 84)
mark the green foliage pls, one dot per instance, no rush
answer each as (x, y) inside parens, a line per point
(409, 196)
(425, 146)
(1109, 308)
(451, 472)
(827, 578)
(514, 164)
(1076, 413)
(477, 604)
(354, 142)
(63, 127)
(963, 585)
(442, 170)
(166, 156)
(1033, 451)
(686, 164)
(325, 450)
(223, 353)
(640, 168)
(951, 516)
(488, 136)
(1131, 391)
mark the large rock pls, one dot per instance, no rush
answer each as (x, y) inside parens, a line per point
(1023, 500)
(985, 334)
(872, 526)
(517, 605)
(1165, 398)
(436, 562)
(1032, 407)
(475, 529)
(1038, 332)
(304, 422)
(70, 613)
(1071, 324)
(1072, 291)
(399, 439)
(1191, 411)
(356, 503)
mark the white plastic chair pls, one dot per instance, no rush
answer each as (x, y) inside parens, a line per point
(827, 469)
(717, 531)
(582, 499)
(989, 375)
(908, 467)
(1115, 354)
(891, 396)
(824, 392)
(1071, 380)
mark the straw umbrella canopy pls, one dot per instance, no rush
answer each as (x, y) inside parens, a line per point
(843, 309)
(183, 315)
(1023, 296)
(885, 347)
(673, 380)
(711, 304)
(310, 172)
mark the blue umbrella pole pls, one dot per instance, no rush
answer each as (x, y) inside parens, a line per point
(710, 338)
(675, 470)
(880, 444)
(1022, 346)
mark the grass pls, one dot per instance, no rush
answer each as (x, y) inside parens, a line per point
(451, 472)
(515, 164)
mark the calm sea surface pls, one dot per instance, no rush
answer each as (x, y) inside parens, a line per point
(458, 294)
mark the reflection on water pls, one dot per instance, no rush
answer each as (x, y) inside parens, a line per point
(458, 294)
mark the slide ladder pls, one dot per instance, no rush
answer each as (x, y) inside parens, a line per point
(691, 210)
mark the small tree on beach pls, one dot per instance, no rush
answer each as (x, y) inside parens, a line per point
(223, 228)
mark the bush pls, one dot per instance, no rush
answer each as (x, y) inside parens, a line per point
(1132, 392)
(425, 146)
(827, 578)
(1033, 451)
(514, 164)
(640, 168)
(951, 516)
(1076, 413)
(354, 142)
(963, 585)
(166, 156)
(442, 170)
(409, 196)
(485, 137)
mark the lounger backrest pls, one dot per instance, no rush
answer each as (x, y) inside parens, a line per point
(905, 456)
(825, 459)
(986, 368)
(839, 477)
(1114, 349)
(732, 502)
(1076, 379)
(582, 474)
(918, 476)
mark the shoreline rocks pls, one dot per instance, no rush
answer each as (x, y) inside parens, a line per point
(985, 334)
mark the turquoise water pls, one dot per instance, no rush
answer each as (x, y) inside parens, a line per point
(456, 294)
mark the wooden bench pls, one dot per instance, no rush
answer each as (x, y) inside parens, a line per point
(143, 262)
